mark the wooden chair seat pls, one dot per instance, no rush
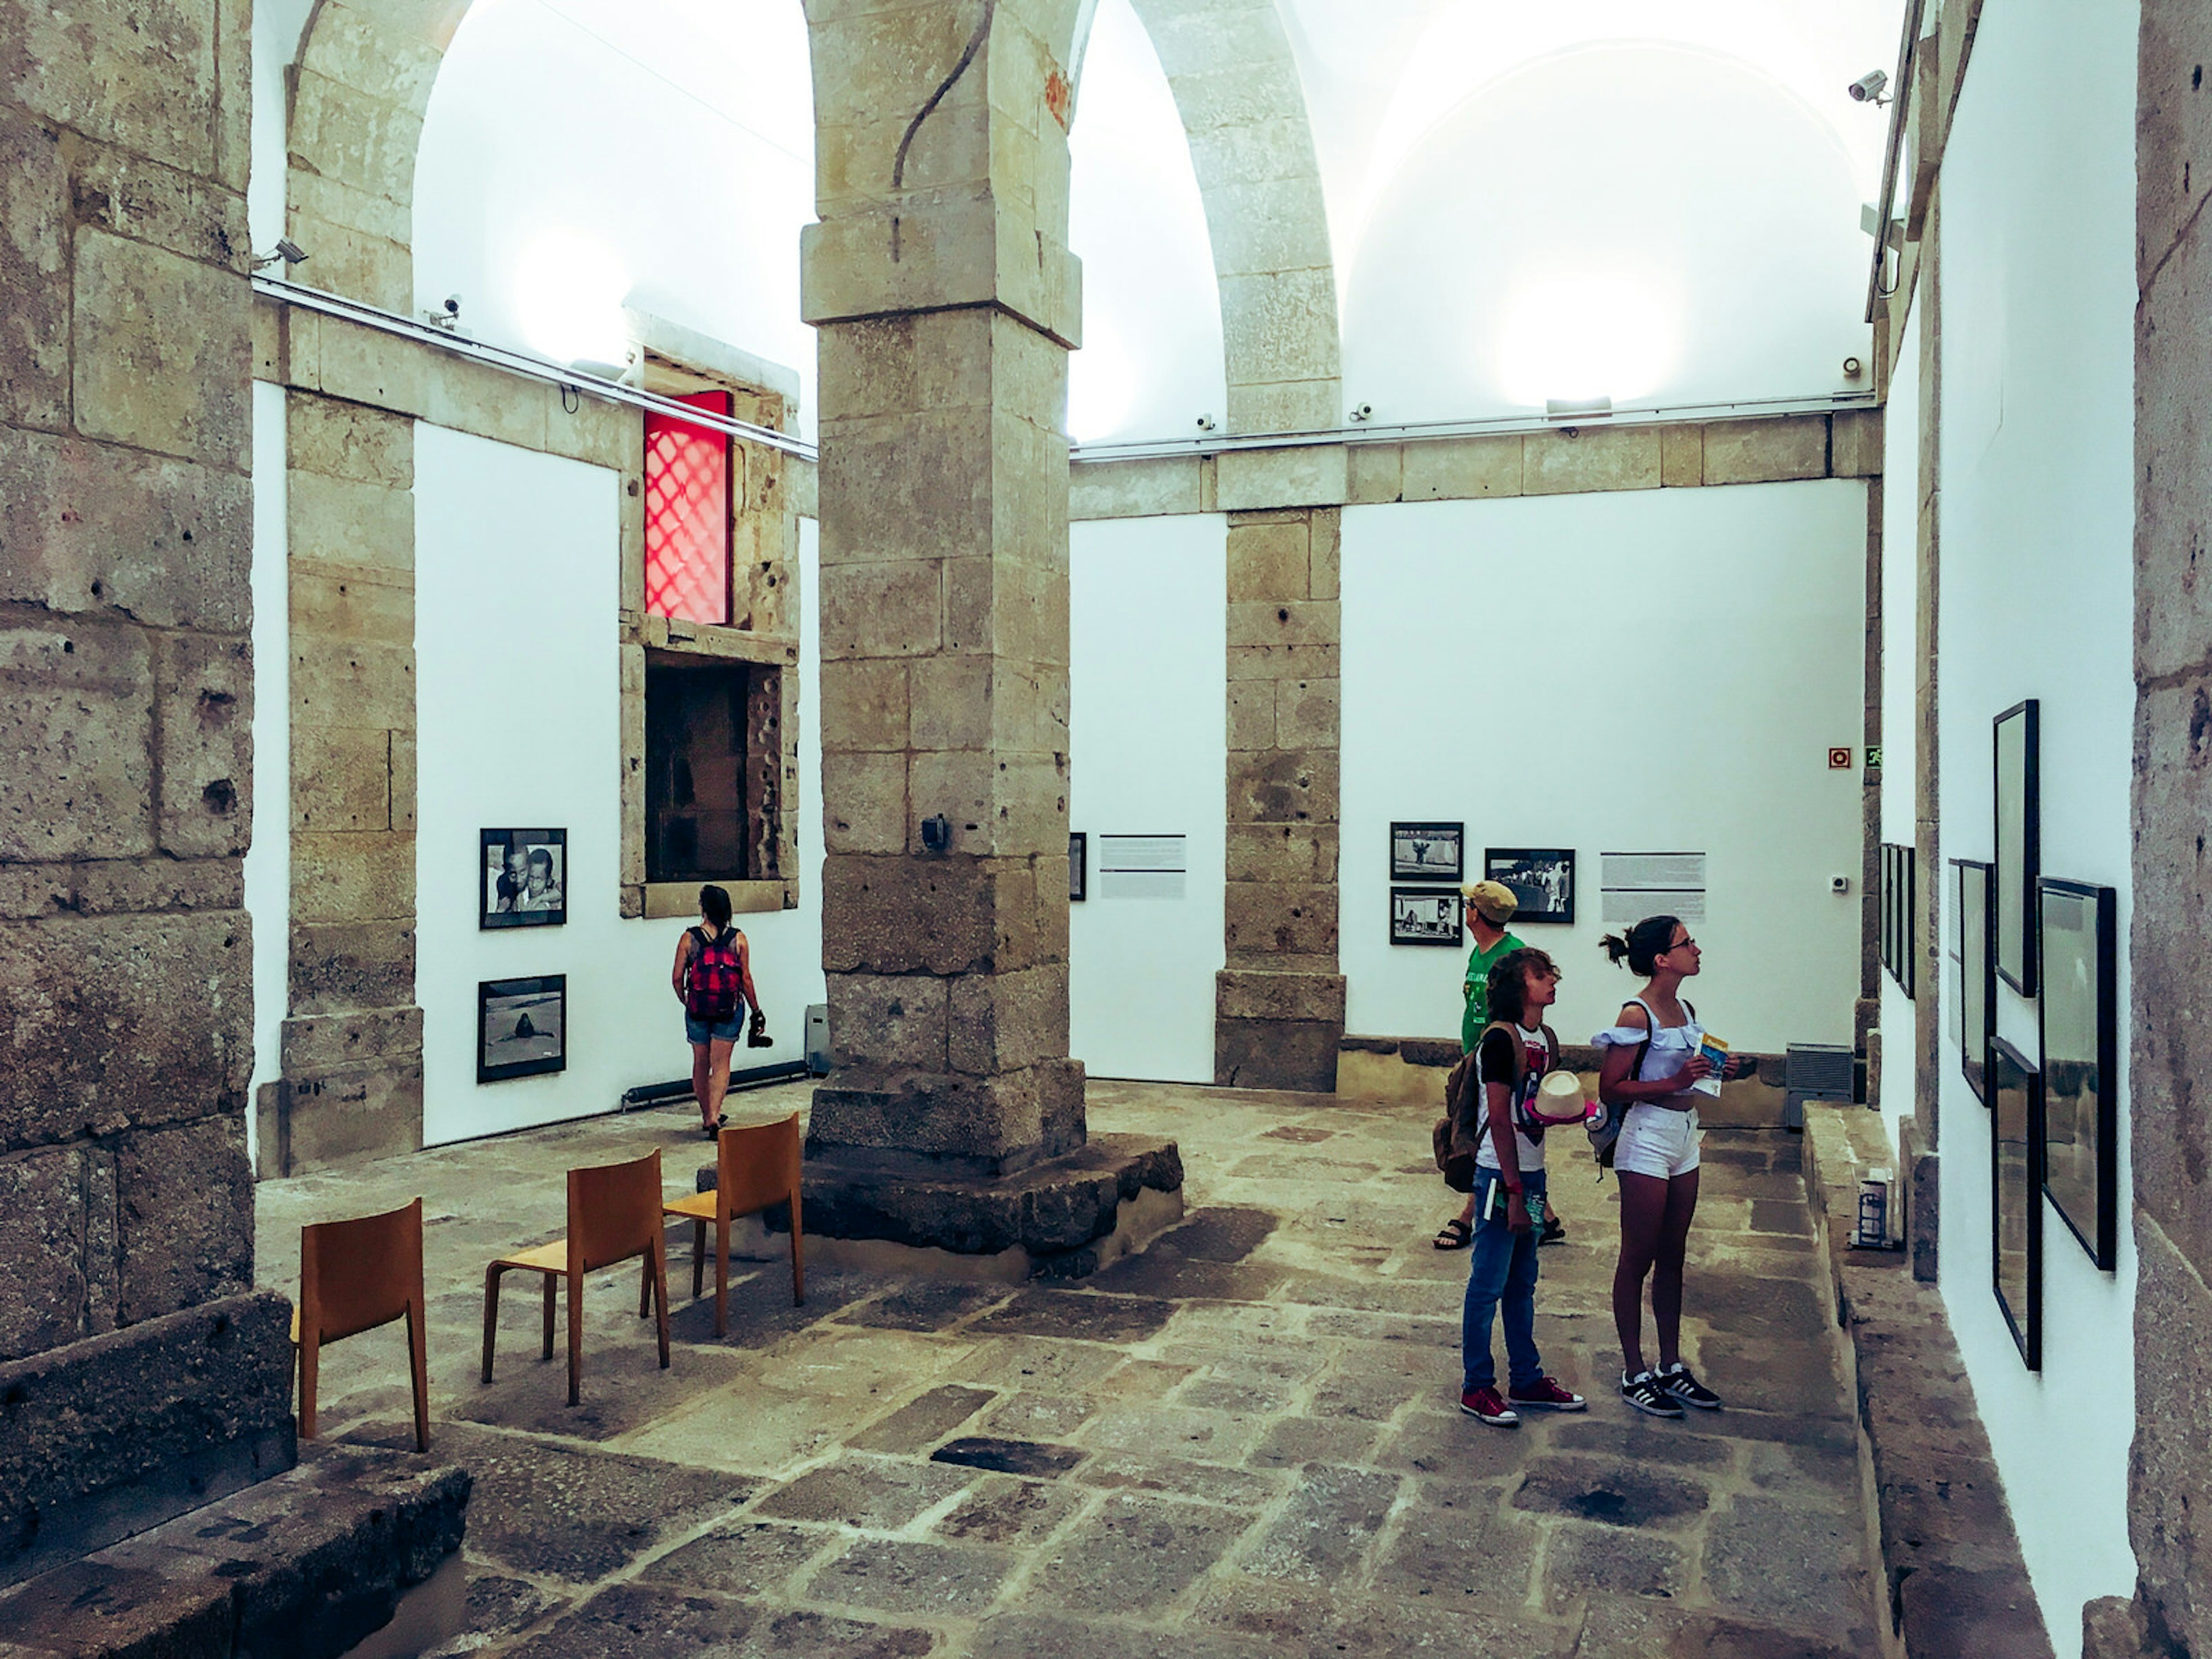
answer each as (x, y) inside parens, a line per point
(753, 1168)
(614, 1215)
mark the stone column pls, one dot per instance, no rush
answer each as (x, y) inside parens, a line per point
(1919, 1137)
(946, 303)
(140, 1373)
(352, 1046)
(1278, 1004)
(2169, 1107)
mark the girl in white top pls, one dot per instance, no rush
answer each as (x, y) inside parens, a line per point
(1651, 1058)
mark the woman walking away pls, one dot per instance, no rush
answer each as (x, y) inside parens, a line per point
(1510, 1058)
(1651, 1059)
(713, 976)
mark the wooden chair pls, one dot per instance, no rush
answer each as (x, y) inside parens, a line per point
(355, 1276)
(753, 1168)
(614, 1213)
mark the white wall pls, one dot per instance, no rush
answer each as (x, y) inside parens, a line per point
(517, 561)
(1148, 755)
(1900, 733)
(2038, 521)
(1685, 659)
(580, 155)
(1150, 362)
(269, 860)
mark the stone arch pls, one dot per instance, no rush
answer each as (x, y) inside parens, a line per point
(1229, 66)
(363, 83)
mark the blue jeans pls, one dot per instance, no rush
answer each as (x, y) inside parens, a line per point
(1503, 1270)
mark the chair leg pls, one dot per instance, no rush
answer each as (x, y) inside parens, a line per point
(552, 1284)
(656, 1268)
(310, 1357)
(798, 1253)
(575, 1335)
(645, 1289)
(698, 1259)
(419, 1363)
(721, 1274)
(491, 1315)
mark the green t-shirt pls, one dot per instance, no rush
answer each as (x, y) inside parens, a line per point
(1477, 989)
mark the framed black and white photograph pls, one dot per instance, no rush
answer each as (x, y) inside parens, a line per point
(523, 877)
(2079, 954)
(2019, 843)
(1428, 852)
(1886, 906)
(2016, 1196)
(1425, 915)
(1541, 878)
(1971, 1025)
(1898, 898)
(1079, 865)
(522, 1027)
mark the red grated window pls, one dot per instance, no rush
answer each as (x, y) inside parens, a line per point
(687, 515)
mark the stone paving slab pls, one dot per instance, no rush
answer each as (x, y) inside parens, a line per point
(1246, 1441)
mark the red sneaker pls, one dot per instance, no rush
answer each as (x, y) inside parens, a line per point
(1545, 1394)
(1484, 1404)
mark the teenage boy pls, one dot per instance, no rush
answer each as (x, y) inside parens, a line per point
(1511, 1057)
(1490, 906)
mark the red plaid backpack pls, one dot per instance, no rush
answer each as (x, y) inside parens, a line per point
(712, 989)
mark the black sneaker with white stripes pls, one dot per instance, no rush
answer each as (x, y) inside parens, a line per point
(1677, 1380)
(1643, 1391)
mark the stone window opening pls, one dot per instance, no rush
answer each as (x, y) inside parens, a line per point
(710, 648)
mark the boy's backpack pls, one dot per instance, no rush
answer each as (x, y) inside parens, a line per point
(1458, 1135)
(1604, 1129)
(714, 987)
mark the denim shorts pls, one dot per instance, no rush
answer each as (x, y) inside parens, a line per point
(726, 1031)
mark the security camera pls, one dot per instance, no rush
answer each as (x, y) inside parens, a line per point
(453, 305)
(1205, 423)
(286, 249)
(1868, 88)
(1364, 412)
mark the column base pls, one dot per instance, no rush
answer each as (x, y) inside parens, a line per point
(1063, 1218)
(1276, 1031)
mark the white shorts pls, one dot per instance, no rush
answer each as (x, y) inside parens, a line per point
(1657, 1142)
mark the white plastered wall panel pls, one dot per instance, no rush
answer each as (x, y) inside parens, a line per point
(1148, 754)
(269, 860)
(2038, 577)
(1659, 671)
(1900, 655)
(517, 558)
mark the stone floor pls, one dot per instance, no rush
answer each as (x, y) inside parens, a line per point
(1244, 1443)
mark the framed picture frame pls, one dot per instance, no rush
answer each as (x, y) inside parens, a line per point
(1542, 880)
(1974, 1024)
(2015, 742)
(2015, 1100)
(2077, 952)
(1426, 916)
(1428, 852)
(1886, 872)
(522, 878)
(1907, 969)
(522, 1027)
(1079, 865)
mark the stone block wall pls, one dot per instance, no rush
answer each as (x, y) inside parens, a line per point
(127, 766)
(1279, 1003)
(2170, 1483)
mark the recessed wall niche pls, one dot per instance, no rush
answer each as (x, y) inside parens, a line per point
(714, 749)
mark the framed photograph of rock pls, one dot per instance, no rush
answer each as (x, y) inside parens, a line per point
(2019, 843)
(522, 878)
(1079, 865)
(1542, 878)
(522, 1027)
(2015, 1100)
(1970, 923)
(1428, 852)
(2078, 953)
(1425, 915)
